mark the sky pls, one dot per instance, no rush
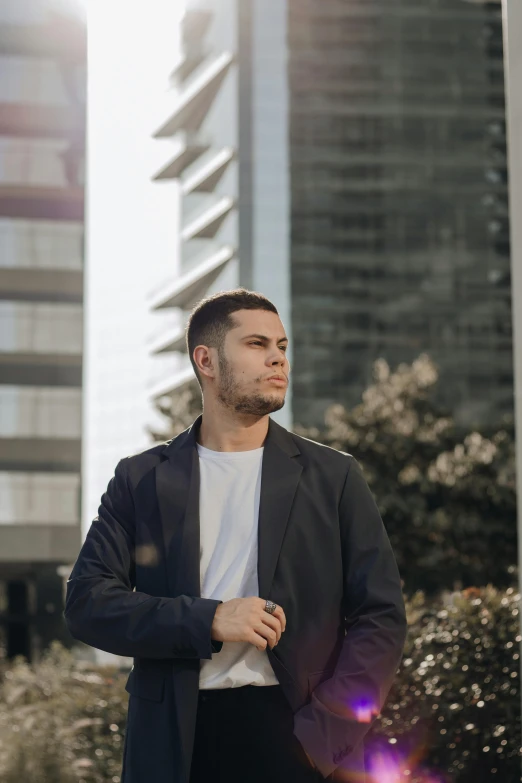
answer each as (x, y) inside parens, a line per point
(131, 227)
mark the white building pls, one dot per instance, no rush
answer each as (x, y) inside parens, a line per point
(223, 130)
(42, 142)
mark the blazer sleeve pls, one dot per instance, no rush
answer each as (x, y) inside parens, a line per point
(343, 707)
(102, 608)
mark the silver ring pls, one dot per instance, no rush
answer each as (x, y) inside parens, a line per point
(270, 607)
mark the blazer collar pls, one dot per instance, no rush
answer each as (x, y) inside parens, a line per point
(177, 488)
(277, 436)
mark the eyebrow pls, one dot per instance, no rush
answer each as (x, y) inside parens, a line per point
(265, 338)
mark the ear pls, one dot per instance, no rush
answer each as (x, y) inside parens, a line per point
(204, 360)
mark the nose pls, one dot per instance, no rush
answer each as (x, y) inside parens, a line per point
(281, 361)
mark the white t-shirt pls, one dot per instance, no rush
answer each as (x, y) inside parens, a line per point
(230, 486)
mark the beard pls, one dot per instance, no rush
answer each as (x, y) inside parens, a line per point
(231, 396)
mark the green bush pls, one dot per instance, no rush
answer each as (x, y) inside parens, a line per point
(454, 708)
(447, 493)
(455, 705)
(61, 721)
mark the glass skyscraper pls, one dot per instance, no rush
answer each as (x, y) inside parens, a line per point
(360, 181)
(42, 144)
(399, 217)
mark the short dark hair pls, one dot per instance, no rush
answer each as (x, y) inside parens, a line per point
(212, 318)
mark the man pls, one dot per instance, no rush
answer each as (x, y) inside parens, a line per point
(248, 573)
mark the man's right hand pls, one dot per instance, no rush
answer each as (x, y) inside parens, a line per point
(245, 620)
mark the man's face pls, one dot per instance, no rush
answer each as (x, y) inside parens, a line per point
(253, 351)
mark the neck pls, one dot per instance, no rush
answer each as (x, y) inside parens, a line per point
(228, 432)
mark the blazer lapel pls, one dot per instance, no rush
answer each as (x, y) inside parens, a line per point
(177, 487)
(279, 479)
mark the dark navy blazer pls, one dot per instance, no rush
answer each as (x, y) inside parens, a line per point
(323, 555)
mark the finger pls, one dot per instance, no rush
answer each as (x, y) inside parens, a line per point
(274, 622)
(269, 629)
(258, 641)
(281, 616)
(278, 612)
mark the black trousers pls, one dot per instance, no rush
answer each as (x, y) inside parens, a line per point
(245, 735)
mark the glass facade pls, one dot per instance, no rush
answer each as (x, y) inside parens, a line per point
(32, 162)
(40, 412)
(39, 498)
(399, 206)
(26, 327)
(39, 81)
(42, 146)
(33, 244)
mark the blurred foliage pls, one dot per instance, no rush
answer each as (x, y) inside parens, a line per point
(455, 705)
(179, 411)
(61, 721)
(447, 496)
